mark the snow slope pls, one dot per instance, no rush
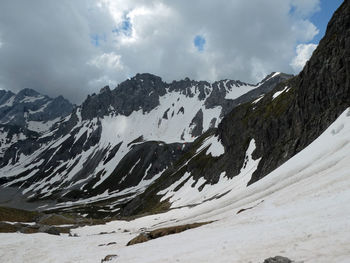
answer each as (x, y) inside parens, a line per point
(300, 210)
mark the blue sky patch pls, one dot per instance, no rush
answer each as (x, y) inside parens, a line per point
(125, 27)
(199, 42)
(96, 39)
(320, 19)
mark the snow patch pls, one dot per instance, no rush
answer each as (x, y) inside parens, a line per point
(215, 147)
(235, 92)
(279, 93)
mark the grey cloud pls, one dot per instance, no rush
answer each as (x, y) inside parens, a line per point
(46, 45)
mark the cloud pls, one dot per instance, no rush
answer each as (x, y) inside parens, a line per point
(107, 60)
(304, 52)
(76, 47)
(304, 30)
(305, 8)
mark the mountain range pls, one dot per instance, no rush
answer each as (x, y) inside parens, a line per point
(117, 141)
(261, 168)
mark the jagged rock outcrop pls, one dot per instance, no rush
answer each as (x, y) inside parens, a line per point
(141, 92)
(197, 124)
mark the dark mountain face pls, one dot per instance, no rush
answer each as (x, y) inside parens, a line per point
(313, 100)
(140, 92)
(24, 117)
(30, 106)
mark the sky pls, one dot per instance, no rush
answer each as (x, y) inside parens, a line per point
(74, 48)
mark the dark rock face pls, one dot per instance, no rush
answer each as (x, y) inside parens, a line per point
(5, 96)
(265, 86)
(29, 105)
(219, 92)
(109, 258)
(161, 232)
(197, 124)
(144, 161)
(13, 137)
(16, 113)
(142, 92)
(278, 259)
(184, 87)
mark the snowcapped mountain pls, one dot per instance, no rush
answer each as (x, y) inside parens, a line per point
(257, 137)
(120, 141)
(29, 109)
(138, 148)
(28, 115)
(269, 177)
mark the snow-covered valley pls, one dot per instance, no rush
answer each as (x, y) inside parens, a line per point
(183, 171)
(299, 211)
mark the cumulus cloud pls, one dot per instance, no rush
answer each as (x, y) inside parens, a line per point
(304, 52)
(76, 47)
(107, 60)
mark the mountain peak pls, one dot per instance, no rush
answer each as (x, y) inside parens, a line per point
(105, 89)
(146, 77)
(28, 92)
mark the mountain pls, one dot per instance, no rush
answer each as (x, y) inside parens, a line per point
(133, 149)
(119, 141)
(32, 110)
(271, 179)
(28, 115)
(257, 137)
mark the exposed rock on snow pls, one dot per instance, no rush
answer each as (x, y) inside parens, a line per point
(278, 259)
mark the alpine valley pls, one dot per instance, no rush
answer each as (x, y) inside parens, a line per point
(245, 172)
